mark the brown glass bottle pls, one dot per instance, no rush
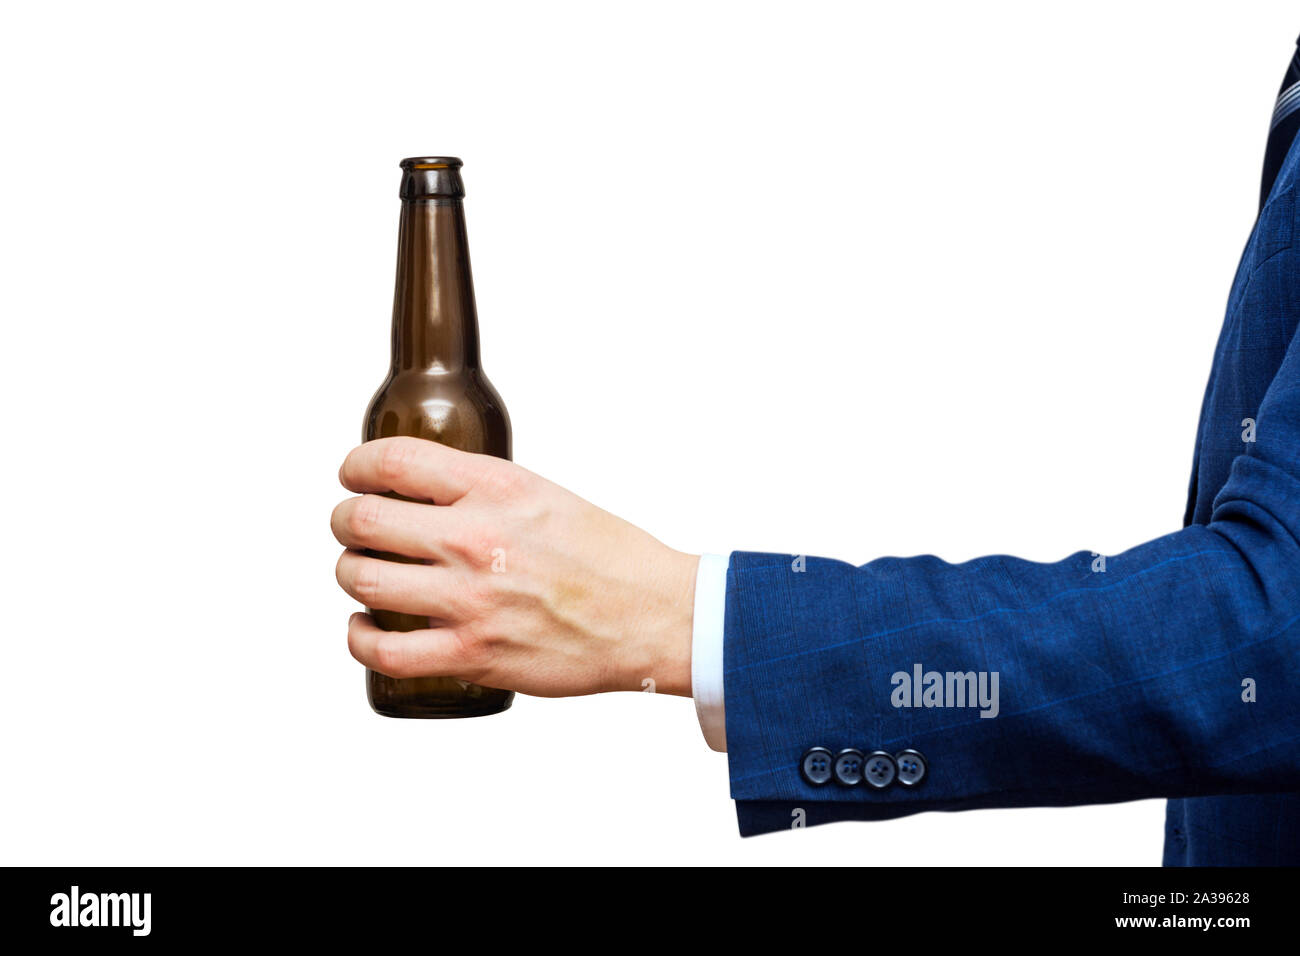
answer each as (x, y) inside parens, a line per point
(435, 389)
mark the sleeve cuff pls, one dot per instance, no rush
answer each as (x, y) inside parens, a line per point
(706, 649)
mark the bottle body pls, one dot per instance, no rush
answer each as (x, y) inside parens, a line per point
(463, 412)
(435, 390)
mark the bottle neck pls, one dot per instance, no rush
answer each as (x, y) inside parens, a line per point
(435, 323)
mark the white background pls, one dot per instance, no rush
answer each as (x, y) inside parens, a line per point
(846, 280)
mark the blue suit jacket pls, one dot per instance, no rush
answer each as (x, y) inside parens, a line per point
(1117, 685)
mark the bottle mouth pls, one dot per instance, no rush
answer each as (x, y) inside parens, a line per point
(430, 178)
(431, 162)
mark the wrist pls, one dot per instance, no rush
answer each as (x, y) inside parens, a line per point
(666, 653)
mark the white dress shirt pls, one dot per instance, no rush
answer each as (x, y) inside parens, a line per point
(706, 648)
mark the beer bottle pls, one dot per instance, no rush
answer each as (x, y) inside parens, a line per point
(435, 389)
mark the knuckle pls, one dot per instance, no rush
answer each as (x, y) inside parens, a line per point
(473, 598)
(365, 578)
(395, 460)
(363, 519)
(469, 652)
(508, 480)
(465, 542)
(391, 657)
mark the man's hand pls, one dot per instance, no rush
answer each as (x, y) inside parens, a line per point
(529, 587)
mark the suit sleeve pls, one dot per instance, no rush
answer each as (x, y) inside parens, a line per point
(1122, 684)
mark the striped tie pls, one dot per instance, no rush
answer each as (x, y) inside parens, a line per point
(1286, 122)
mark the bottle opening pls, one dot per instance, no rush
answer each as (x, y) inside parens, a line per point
(431, 162)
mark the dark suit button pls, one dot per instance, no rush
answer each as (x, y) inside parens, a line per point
(911, 767)
(880, 770)
(816, 765)
(848, 767)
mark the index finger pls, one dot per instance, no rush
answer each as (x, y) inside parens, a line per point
(413, 467)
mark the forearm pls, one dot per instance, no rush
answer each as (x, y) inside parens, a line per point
(1110, 685)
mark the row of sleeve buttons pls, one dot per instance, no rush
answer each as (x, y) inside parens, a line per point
(851, 767)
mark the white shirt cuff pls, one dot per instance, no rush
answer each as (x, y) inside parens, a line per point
(706, 649)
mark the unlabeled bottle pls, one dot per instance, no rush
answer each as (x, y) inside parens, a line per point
(435, 389)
